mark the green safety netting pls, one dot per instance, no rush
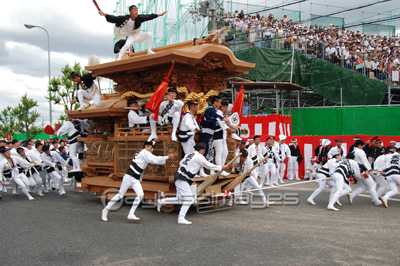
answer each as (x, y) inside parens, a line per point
(326, 21)
(378, 29)
(346, 121)
(321, 77)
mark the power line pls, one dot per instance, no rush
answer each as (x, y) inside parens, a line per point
(347, 10)
(276, 7)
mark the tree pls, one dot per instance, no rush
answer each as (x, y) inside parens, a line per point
(61, 119)
(63, 90)
(9, 123)
(27, 117)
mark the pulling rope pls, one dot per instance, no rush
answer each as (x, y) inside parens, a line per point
(227, 193)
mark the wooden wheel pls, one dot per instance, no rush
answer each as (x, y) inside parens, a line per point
(168, 207)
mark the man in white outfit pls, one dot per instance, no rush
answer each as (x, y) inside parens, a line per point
(136, 118)
(323, 173)
(31, 170)
(188, 128)
(392, 174)
(35, 153)
(344, 170)
(53, 164)
(243, 167)
(378, 174)
(169, 113)
(337, 149)
(312, 169)
(284, 152)
(129, 25)
(9, 168)
(256, 152)
(87, 90)
(366, 181)
(220, 134)
(133, 177)
(271, 165)
(188, 168)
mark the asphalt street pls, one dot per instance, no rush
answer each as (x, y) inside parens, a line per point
(67, 230)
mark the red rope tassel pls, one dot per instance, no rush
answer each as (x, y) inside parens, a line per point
(153, 104)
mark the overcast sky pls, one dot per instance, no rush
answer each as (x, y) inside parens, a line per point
(77, 31)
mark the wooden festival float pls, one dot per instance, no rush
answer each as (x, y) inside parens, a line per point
(200, 71)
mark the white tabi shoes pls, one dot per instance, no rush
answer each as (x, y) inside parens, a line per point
(132, 217)
(224, 173)
(182, 220)
(104, 214)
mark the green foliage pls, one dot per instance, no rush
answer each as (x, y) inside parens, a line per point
(27, 117)
(63, 90)
(9, 123)
(61, 119)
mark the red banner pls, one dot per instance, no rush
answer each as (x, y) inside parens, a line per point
(265, 125)
(276, 124)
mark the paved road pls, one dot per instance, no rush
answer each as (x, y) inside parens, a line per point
(67, 230)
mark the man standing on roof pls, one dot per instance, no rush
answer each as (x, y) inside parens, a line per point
(87, 90)
(129, 25)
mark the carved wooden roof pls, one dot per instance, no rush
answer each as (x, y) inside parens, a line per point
(209, 65)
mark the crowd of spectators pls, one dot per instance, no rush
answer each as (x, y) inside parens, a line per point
(374, 56)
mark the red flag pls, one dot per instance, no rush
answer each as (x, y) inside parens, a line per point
(238, 105)
(57, 127)
(153, 104)
(49, 130)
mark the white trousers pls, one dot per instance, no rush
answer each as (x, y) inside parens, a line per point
(85, 94)
(251, 183)
(188, 146)
(127, 182)
(57, 180)
(281, 170)
(322, 185)
(311, 175)
(184, 196)
(383, 185)
(293, 168)
(73, 151)
(366, 183)
(392, 181)
(43, 176)
(221, 151)
(141, 37)
(23, 182)
(175, 123)
(36, 180)
(340, 189)
(269, 168)
(261, 172)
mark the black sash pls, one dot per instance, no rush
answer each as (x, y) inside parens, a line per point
(73, 138)
(28, 173)
(133, 173)
(362, 168)
(167, 108)
(187, 173)
(178, 176)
